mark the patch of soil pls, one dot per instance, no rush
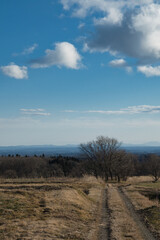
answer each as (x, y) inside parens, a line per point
(105, 221)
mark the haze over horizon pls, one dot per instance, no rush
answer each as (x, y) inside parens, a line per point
(71, 70)
(145, 144)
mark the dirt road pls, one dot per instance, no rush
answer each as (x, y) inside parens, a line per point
(105, 223)
(119, 219)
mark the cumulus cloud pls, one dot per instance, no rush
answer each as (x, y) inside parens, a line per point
(137, 36)
(64, 55)
(149, 71)
(120, 63)
(131, 28)
(14, 71)
(112, 9)
(129, 110)
(37, 112)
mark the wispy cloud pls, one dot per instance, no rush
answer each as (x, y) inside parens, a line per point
(81, 25)
(27, 51)
(37, 112)
(129, 110)
(30, 50)
(64, 55)
(14, 71)
(27, 130)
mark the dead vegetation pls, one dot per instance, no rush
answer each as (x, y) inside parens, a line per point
(132, 214)
(145, 197)
(55, 209)
(77, 208)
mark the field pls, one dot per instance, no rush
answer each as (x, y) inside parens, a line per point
(49, 209)
(79, 209)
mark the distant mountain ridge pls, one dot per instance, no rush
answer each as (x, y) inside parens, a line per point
(147, 144)
(40, 149)
(71, 149)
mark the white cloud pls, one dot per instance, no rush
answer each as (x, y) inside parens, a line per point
(143, 109)
(120, 63)
(137, 36)
(37, 112)
(70, 111)
(131, 28)
(27, 51)
(81, 25)
(15, 71)
(30, 50)
(28, 130)
(147, 22)
(129, 110)
(114, 17)
(33, 131)
(149, 71)
(112, 9)
(64, 54)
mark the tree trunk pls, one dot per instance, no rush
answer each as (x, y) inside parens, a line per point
(106, 177)
(119, 179)
(111, 175)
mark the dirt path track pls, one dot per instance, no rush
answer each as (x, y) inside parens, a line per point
(119, 220)
(105, 223)
(143, 229)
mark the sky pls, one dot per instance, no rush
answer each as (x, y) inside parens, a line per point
(72, 70)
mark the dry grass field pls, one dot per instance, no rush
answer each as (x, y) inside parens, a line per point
(79, 209)
(145, 196)
(49, 209)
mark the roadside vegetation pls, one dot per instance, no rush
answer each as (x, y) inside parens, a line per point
(102, 157)
(106, 193)
(52, 209)
(145, 197)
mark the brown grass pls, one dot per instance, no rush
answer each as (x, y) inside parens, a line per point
(50, 209)
(139, 179)
(139, 192)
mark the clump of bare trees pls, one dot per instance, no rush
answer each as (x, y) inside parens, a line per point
(102, 157)
(108, 160)
(153, 165)
(40, 166)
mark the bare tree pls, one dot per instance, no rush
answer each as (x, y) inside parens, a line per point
(153, 165)
(102, 152)
(123, 165)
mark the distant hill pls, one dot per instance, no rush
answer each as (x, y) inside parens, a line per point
(143, 149)
(69, 150)
(48, 150)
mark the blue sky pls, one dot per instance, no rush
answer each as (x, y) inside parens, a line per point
(71, 70)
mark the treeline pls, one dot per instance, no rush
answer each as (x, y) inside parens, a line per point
(125, 165)
(40, 166)
(108, 160)
(102, 157)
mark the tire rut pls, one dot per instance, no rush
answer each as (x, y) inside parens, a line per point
(146, 234)
(105, 223)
